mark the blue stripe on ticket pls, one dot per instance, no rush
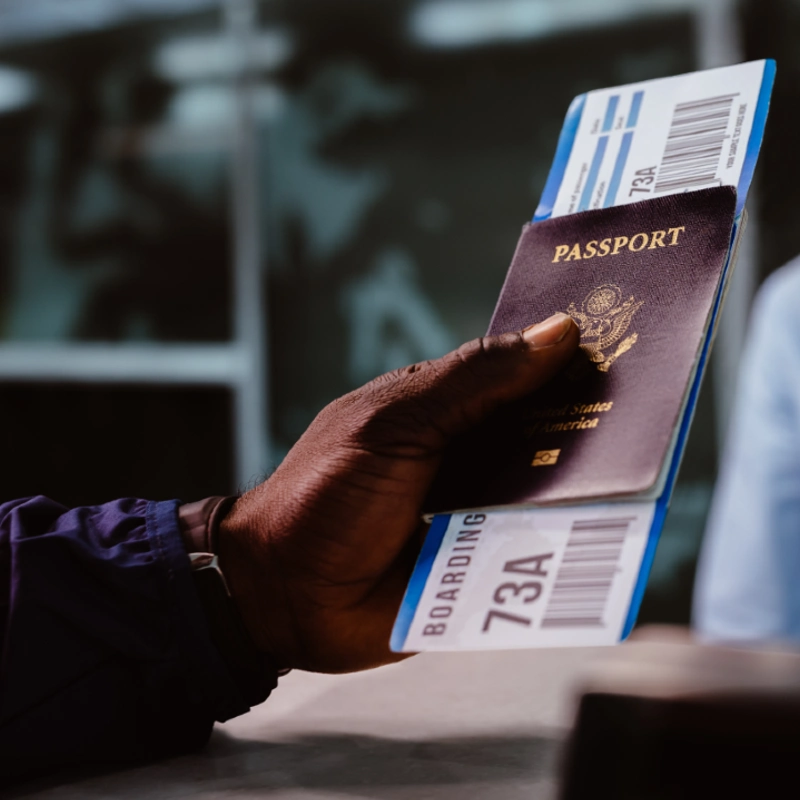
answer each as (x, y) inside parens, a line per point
(611, 110)
(594, 171)
(565, 141)
(619, 166)
(636, 105)
(756, 133)
(422, 569)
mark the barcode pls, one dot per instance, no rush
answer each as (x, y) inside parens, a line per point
(694, 144)
(584, 578)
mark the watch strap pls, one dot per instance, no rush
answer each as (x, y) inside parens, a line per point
(200, 522)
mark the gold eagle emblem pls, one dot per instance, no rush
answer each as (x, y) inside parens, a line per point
(604, 318)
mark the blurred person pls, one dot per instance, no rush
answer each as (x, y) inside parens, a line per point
(747, 587)
(120, 641)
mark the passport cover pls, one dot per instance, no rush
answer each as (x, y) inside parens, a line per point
(640, 280)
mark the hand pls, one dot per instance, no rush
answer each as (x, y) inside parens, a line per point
(318, 556)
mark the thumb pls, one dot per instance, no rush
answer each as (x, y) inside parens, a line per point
(451, 394)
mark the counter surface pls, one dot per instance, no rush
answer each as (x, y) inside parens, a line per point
(469, 725)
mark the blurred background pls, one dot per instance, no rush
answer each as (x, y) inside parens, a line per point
(218, 215)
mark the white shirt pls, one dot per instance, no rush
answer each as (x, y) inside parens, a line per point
(748, 579)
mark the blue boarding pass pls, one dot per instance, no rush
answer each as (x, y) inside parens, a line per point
(575, 575)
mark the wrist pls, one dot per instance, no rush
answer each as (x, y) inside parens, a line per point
(254, 588)
(252, 673)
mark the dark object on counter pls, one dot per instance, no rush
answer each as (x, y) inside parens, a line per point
(665, 720)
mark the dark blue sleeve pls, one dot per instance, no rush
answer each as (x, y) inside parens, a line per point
(106, 655)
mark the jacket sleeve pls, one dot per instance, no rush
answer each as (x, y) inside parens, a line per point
(106, 656)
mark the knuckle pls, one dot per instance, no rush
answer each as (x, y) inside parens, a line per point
(339, 407)
(469, 352)
(463, 364)
(396, 414)
(338, 416)
(481, 357)
(358, 415)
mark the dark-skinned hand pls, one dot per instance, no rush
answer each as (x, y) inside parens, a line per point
(318, 556)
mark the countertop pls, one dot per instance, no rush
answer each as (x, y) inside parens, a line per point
(450, 725)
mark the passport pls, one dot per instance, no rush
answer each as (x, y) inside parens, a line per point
(640, 280)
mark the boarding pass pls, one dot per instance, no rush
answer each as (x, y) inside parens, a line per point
(575, 576)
